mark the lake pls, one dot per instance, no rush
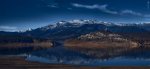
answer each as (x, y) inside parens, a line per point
(60, 55)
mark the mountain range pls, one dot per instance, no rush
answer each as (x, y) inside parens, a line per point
(71, 29)
(84, 34)
(74, 28)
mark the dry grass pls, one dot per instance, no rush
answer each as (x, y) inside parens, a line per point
(19, 45)
(99, 44)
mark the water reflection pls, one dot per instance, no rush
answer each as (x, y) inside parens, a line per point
(134, 57)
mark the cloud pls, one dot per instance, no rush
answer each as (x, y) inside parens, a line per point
(147, 15)
(103, 8)
(52, 6)
(131, 12)
(8, 28)
(69, 8)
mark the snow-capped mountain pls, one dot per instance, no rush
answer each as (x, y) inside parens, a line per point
(80, 22)
(75, 23)
(74, 28)
(68, 29)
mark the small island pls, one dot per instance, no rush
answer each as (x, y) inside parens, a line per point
(101, 44)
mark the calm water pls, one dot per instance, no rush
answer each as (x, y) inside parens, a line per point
(60, 55)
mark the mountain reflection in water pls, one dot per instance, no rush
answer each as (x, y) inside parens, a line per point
(61, 55)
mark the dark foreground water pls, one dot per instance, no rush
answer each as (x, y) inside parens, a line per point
(60, 55)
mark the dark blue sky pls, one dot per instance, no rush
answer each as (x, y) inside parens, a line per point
(24, 14)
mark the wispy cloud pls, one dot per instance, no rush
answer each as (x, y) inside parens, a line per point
(52, 6)
(8, 28)
(147, 15)
(103, 8)
(69, 8)
(131, 12)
